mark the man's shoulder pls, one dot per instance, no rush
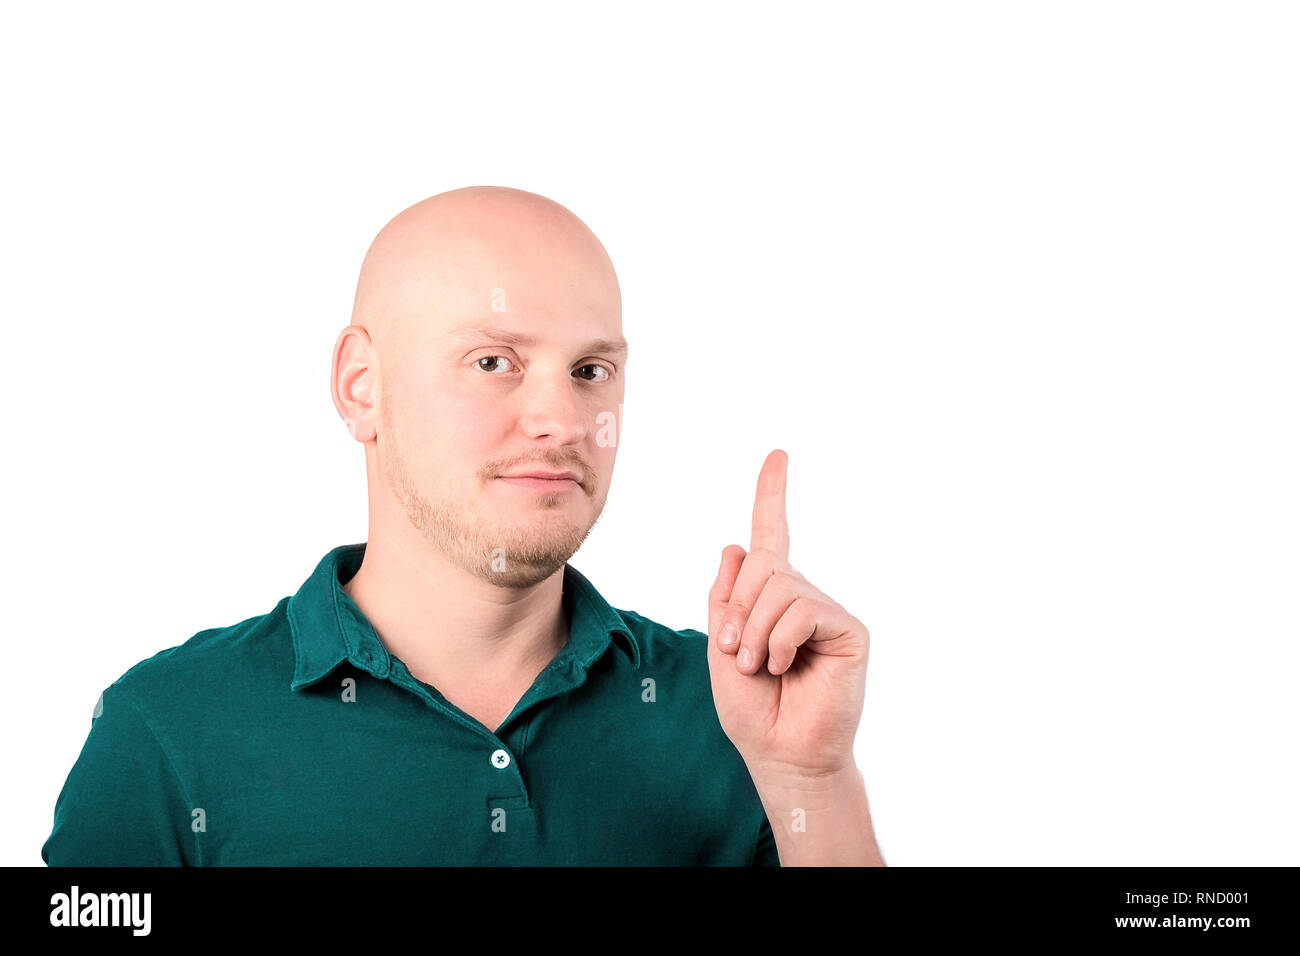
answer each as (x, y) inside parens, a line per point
(213, 657)
(661, 644)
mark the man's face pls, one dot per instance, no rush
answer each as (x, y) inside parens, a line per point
(512, 370)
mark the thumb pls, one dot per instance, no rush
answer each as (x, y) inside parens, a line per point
(733, 556)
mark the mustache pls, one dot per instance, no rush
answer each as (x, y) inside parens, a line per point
(546, 464)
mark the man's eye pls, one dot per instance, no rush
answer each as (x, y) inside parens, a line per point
(496, 369)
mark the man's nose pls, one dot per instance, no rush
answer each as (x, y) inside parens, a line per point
(554, 409)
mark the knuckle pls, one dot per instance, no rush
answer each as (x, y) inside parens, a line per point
(808, 609)
(785, 580)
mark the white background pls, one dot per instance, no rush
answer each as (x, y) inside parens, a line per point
(1014, 284)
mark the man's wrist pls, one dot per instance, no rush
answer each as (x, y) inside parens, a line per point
(807, 781)
(818, 818)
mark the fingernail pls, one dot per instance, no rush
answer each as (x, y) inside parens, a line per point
(744, 657)
(728, 636)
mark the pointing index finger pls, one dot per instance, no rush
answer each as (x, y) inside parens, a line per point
(770, 528)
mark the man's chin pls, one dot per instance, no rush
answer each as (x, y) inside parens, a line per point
(516, 572)
(525, 561)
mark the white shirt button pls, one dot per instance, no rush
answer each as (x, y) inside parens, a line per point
(500, 759)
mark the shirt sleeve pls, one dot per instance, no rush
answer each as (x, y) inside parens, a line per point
(765, 853)
(122, 804)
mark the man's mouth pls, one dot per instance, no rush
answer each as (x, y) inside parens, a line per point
(552, 482)
(544, 473)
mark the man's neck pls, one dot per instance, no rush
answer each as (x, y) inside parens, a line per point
(454, 630)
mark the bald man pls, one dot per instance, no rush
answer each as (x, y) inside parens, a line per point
(453, 691)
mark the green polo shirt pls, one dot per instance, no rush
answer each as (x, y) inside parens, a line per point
(296, 738)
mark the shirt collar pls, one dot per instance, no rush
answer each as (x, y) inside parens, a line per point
(328, 627)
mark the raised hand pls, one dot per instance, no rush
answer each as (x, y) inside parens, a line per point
(789, 684)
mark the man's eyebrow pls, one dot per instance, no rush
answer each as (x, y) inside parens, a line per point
(473, 332)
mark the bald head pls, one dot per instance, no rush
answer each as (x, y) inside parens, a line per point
(473, 250)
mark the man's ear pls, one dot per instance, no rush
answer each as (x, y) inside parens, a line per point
(352, 382)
